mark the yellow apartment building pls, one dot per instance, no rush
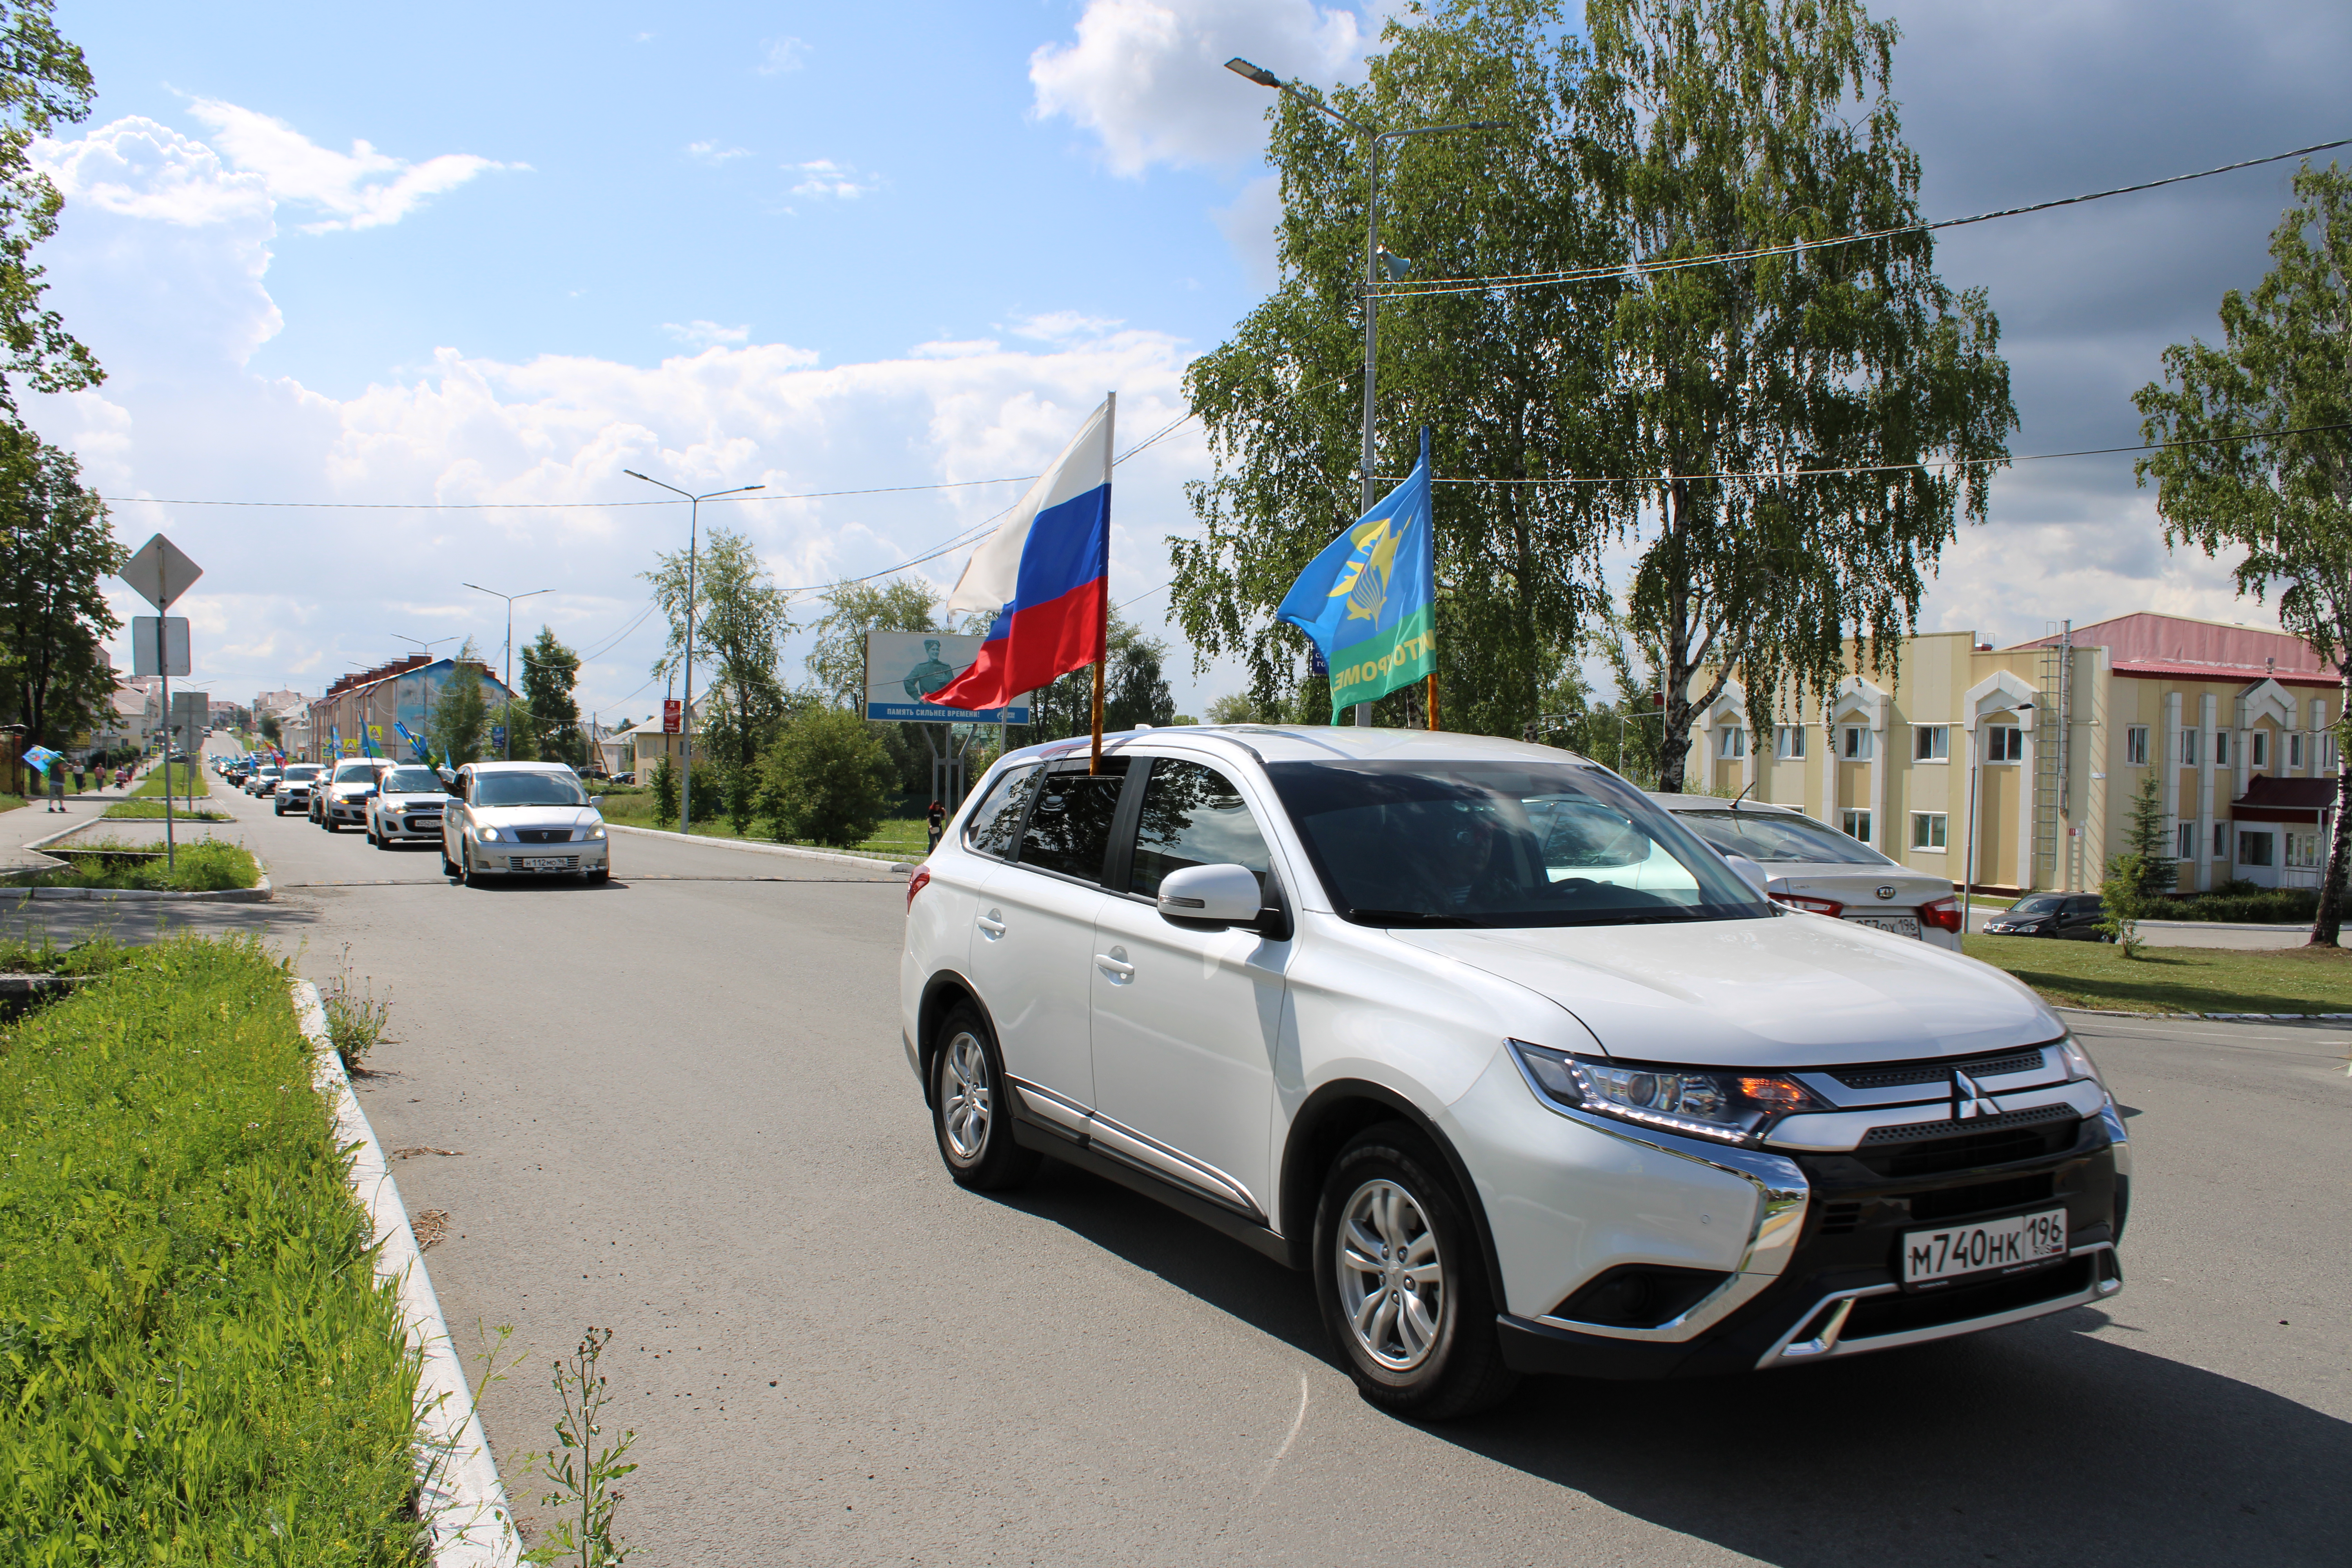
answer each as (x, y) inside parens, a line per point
(2016, 768)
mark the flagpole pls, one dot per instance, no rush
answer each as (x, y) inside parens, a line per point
(1431, 467)
(1102, 629)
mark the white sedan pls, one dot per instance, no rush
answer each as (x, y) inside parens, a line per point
(525, 819)
(1809, 865)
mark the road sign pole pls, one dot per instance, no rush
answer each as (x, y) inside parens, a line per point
(163, 673)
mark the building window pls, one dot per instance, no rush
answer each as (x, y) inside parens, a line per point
(1931, 742)
(1856, 747)
(2294, 753)
(2184, 842)
(2302, 851)
(1927, 829)
(2253, 848)
(2188, 748)
(1788, 741)
(2221, 840)
(2327, 752)
(1857, 825)
(2135, 746)
(2258, 742)
(2004, 743)
(2221, 748)
(1734, 744)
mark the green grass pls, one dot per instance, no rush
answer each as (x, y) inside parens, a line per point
(152, 785)
(197, 1362)
(200, 866)
(98, 955)
(10, 802)
(2175, 979)
(903, 837)
(151, 810)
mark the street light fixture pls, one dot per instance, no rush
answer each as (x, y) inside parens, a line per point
(508, 679)
(686, 711)
(1374, 254)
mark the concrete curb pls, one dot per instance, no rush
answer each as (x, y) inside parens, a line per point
(2223, 1017)
(872, 862)
(261, 892)
(461, 1499)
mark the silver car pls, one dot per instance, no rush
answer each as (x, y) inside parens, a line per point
(528, 819)
(1809, 865)
(407, 806)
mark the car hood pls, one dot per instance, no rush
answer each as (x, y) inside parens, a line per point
(1797, 991)
(536, 815)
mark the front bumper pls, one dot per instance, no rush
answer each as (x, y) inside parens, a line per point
(543, 859)
(352, 811)
(1839, 1292)
(391, 829)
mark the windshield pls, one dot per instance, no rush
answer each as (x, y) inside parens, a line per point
(412, 780)
(2039, 904)
(1771, 836)
(302, 771)
(1502, 843)
(528, 789)
(348, 772)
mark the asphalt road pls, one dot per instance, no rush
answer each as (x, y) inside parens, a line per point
(684, 1114)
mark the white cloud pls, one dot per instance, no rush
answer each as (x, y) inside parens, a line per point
(360, 189)
(1250, 226)
(707, 334)
(1147, 77)
(711, 152)
(825, 177)
(780, 55)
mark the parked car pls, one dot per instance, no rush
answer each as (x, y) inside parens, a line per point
(522, 819)
(263, 782)
(407, 805)
(1809, 865)
(341, 801)
(1524, 1073)
(294, 787)
(2073, 917)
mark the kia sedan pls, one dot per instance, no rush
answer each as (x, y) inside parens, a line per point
(1525, 1075)
(407, 806)
(522, 819)
(1809, 865)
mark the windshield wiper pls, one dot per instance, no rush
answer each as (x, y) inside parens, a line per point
(1406, 918)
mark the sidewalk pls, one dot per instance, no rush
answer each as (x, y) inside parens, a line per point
(87, 811)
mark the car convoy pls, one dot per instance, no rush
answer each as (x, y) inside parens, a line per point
(501, 819)
(1529, 1071)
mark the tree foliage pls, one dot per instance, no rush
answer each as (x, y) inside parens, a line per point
(1718, 127)
(460, 719)
(2149, 838)
(1509, 381)
(740, 626)
(837, 662)
(549, 672)
(827, 779)
(44, 82)
(59, 550)
(2239, 466)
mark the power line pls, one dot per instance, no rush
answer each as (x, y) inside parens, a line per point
(1439, 286)
(556, 505)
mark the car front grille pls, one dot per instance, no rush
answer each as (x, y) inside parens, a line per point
(1911, 1151)
(1910, 1073)
(543, 834)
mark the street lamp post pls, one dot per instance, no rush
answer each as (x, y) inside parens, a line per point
(1372, 140)
(507, 678)
(685, 711)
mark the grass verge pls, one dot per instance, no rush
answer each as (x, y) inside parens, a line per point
(2175, 979)
(197, 1362)
(898, 837)
(202, 865)
(151, 787)
(152, 811)
(100, 955)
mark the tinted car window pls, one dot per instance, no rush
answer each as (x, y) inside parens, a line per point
(528, 789)
(1193, 815)
(412, 780)
(2037, 904)
(346, 773)
(301, 771)
(995, 825)
(1070, 827)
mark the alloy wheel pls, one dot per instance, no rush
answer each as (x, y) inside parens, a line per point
(965, 1102)
(1391, 1279)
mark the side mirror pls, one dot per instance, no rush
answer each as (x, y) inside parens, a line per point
(1211, 895)
(596, 800)
(370, 793)
(1748, 870)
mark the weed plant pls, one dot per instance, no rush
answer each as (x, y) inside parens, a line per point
(355, 1018)
(201, 865)
(585, 1467)
(196, 1362)
(100, 955)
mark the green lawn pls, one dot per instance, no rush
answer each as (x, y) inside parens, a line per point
(901, 838)
(152, 785)
(2175, 979)
(151, 810)
(197, 1362)
(200, 866)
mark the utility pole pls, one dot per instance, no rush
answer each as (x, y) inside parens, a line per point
(685, 711)
(507, 678)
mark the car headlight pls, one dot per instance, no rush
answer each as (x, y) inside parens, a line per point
(1728, 1107)
(597, 831)
(2080, 1067)
(487, 835)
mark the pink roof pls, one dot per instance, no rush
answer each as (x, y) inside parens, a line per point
(2183, 646)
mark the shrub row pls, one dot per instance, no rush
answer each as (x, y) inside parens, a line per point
(197, 1362)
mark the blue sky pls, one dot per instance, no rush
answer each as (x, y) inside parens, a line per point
(497, 254)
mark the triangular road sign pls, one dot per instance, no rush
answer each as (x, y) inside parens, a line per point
(161, 573)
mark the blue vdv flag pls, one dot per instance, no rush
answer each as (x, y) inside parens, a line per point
(1369, 599)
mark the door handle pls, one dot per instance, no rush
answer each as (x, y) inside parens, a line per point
(992, 923)
(1115, 964)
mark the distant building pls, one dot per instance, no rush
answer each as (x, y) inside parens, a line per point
(362, 714)
(641, 747)
(2017, 768)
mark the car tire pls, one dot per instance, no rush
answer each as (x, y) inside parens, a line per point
(465, 872)
(330, 825)
(972, 1117)
(597, 877)
(448, 867)
(1389, 1230)
(281, 809)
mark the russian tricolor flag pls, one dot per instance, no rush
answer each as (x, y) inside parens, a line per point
(1045, 573)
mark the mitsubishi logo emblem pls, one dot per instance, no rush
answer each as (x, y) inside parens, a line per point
(1968, 1101)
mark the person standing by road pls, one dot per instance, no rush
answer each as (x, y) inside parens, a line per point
(56, 783)
(937, 817)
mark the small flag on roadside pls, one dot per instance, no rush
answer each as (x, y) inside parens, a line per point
(40, 757)
(1368, 600)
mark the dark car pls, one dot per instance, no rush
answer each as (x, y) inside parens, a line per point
(2074, 916)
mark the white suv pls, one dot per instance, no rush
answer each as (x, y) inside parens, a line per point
(1529, 1076)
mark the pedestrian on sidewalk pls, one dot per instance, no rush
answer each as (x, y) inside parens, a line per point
(937, 818)
(56, 783)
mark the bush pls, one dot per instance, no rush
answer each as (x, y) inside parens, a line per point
(664, 791)
(2246, 904)
(197, 1362)
(827, 779)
